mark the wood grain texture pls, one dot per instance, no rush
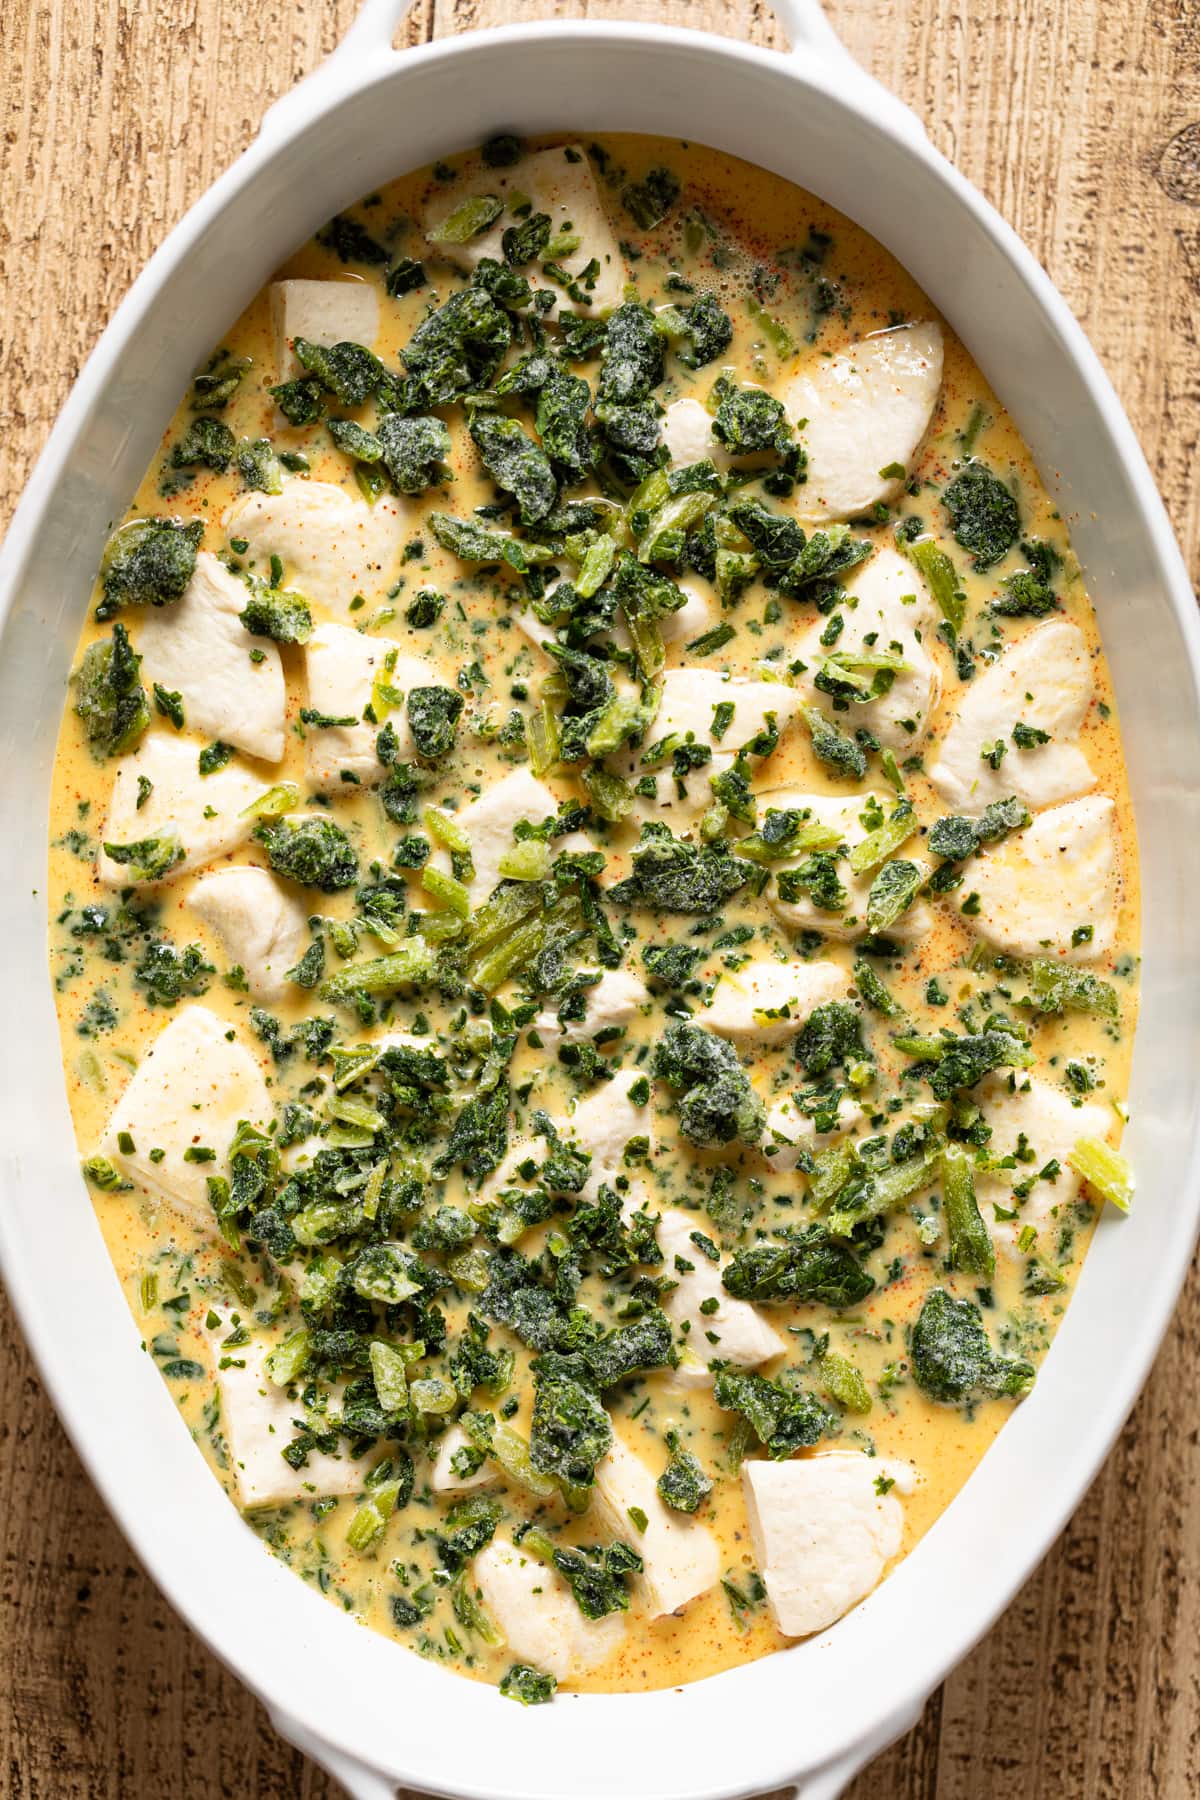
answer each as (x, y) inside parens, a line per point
(1081, 120)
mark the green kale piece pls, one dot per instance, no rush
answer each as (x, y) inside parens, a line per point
(984, 514)
(459, 347)
(109, 696)
(632, 434)
(167, 975)
(432, 718)
(676, 877)
(956, 838)
(350, 242)
(672, 964)
(953, 1359)
(784, 1417)
(649, 201)
(475, 543)
(803, 568)
(569, 1431)
(311, 850)
(425, 608)
(207, 443)
(1025, 596)
(355, 440)
(404, 277)
(214, 756)
(561, 421)
(597, 1576)
(526, 242)
(776, 539)
(1029, 594)
(644, 596)
(633, 359)
(479, 1136)
(842, 756)
(874, 991)
(148, 562)
(532, 1687)
(832, 1034)
(684, 1484)
(258, 465)
(718, 1103)
(892, 893)
(749, 419)
(808, 1268)
(299, 401)
(278, 614)
(630, 1350)
(581, 339)
(149, 858)
(709, 331)
(956, 1062)
(817, 877)
(515, 1297)
(502, 150)
(971, 1246)
(348, 371)
(469, 218)
(516, 464)
(1057, 987)
(469, 1525)
(414, 450)
(218, 382)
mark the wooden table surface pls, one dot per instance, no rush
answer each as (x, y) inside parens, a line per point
(1080, 119)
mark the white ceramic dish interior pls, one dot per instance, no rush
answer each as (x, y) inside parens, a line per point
(371, 1712)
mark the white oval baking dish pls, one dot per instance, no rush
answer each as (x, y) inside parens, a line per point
(372, 1713)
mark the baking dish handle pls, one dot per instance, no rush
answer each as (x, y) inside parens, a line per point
(376, 23)
(810, 33)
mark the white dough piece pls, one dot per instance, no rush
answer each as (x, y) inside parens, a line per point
(822, 1535)
(1052, 1124)
(332, 546)
(1043, 680)
(887, 601)
(688, 701)
(179, 801)
(489, 823)
(560, 183)
(699, 612)
(680, 1555)
(735, 1333)
(343, 666)
(444, 1479)
(691, 696)
(613, 1001)
(1039, 885)
(199, 648)
(790, 1133)
(843, 812)
(324, 312)
(263, 929)
(190, 1089)
(538, 1614)
(679, 803)
(258, 1421)
(688, 434)
(767, 1002)
(866, 409)
(603, 1124)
